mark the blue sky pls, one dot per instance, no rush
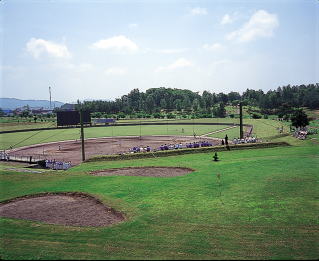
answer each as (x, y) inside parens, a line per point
(103, 49)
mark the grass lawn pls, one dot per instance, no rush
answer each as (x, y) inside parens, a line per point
(8, 124)
(265, 208)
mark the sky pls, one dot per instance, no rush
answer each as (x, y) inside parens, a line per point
(102, 49)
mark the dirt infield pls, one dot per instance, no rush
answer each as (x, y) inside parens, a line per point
(144, 172)
(71, 150)
(71, 209)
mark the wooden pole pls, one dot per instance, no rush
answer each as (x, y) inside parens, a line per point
(140, 129)
(82, 135)
(50, 96)
(241, 120)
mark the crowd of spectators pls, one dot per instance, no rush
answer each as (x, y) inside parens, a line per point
(52, 164)
(172, 146)
(140, 149)
(197, 144)
(301, 134)
(245, 140)
(4, 155)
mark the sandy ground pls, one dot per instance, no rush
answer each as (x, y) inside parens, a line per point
(71, 209)
(144, 172)
(70, 151)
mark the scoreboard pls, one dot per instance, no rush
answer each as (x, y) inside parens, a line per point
(69, 118)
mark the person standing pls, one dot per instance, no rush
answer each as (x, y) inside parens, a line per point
(226, 139)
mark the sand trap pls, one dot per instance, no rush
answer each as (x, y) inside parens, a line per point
(71, 209)
(144, 172)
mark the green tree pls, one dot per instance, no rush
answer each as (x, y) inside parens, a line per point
(196, 105)
(149, 104)
(207, 99)
(178, 104)
(163, 103)
(134, 99)
(186, 103)
(220, 111)
(299, 119)
(25, 113)
(1, 112)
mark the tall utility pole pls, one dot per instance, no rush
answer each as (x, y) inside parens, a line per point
(50, 96)
(140, 129)
(82, 135)
(241, 120)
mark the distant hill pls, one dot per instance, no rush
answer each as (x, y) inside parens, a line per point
(12, 103)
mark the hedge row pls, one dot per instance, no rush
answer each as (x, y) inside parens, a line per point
(166, 153)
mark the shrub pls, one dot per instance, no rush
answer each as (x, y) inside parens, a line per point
(256, 116)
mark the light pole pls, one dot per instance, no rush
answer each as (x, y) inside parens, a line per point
(241, 133)
(82, 135)
(50, 96)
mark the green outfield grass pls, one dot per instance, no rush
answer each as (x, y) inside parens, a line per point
(10, 123)
(34, 137)
(262, 129)
(265, 208)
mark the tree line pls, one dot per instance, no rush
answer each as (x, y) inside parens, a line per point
(156, 100)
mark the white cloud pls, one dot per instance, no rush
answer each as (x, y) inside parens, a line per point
(133, 25)
(179, 63)
(171, 51)
(260, 24)
(213, 47)
(117, 43)
(82, 67)
(38, 47)
(115, 71)
(199, 11)
(226, 19)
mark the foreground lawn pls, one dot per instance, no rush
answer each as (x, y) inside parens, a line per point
(265, 208)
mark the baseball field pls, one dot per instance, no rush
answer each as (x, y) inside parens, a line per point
(250, 204)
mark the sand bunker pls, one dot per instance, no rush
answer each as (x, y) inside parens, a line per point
(71, 209)
(144, 172)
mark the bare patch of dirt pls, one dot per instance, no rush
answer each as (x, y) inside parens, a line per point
(71, 209)
(144, 172)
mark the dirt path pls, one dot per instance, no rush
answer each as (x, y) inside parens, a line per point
(144, 172)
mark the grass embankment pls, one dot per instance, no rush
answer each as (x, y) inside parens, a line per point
(264, 208)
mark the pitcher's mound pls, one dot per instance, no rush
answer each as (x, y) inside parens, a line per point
(144, 172)
(71, 209)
